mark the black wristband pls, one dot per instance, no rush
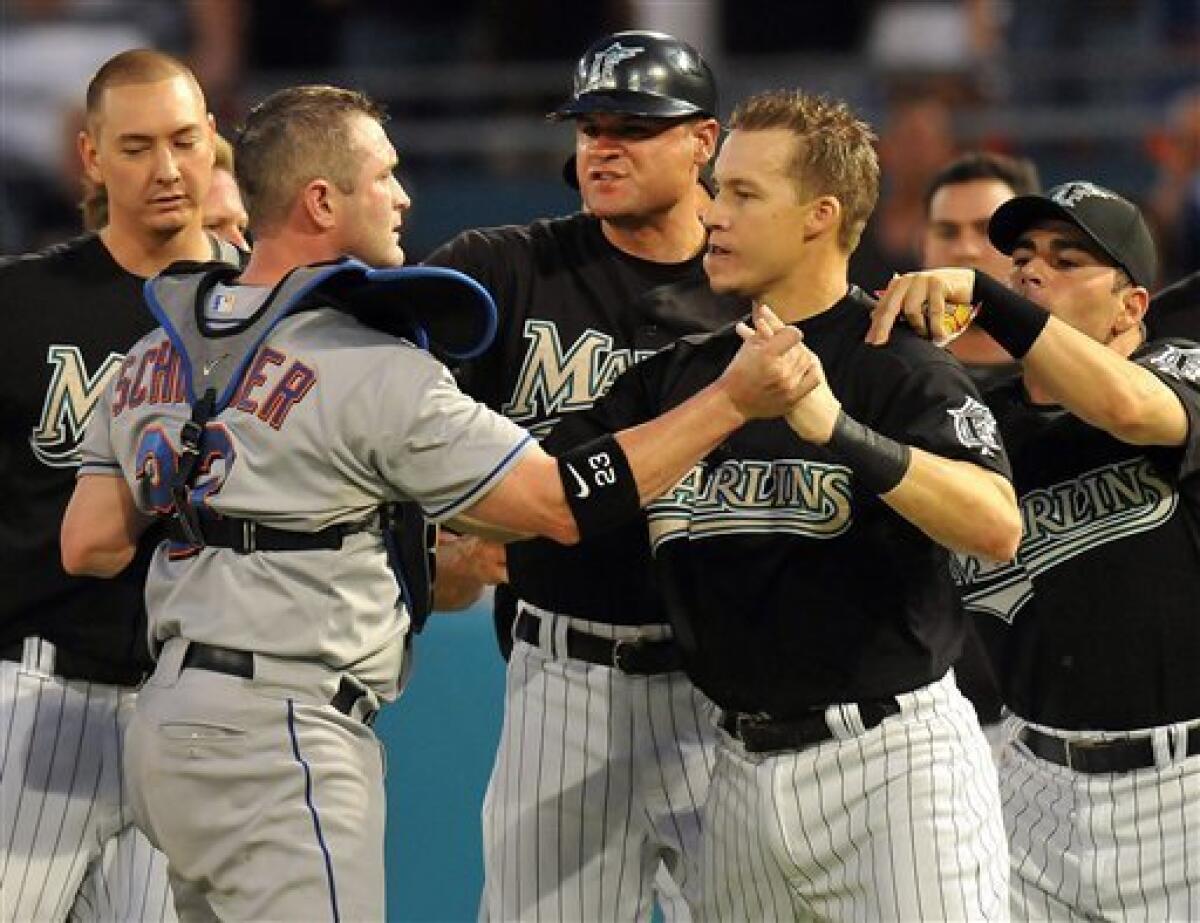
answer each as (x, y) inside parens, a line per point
(878, 462)
(1010, 318)
(599, 484)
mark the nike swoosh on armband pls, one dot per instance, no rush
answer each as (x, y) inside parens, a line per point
(584, 490)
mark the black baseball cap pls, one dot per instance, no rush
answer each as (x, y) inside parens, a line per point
(1112, 223)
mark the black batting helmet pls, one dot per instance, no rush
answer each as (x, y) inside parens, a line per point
(649, 74)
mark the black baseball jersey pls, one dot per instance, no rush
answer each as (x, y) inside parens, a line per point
(71, 313)
(1095, 626)
(574, 313)
(790, 586)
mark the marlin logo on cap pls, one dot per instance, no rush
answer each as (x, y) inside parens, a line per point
(601, 75)
(1072, 194)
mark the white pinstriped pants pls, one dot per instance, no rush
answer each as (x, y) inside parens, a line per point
(68, 847)
(599, 781)
(1122, 846)
(899, 823)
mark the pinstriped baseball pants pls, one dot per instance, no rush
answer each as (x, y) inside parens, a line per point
(599, 780)
(1122, 846)
(900, 823)
(68, 847)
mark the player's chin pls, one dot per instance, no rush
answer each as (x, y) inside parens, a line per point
(170, 222)
(387, 256)
(721, 276)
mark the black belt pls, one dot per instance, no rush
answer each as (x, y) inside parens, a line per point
(74, 667)
(760, 734)
(639, 658)
(1099, 756)
(241, 663)
(246, 535)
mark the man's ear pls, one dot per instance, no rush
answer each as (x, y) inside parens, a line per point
(824, 216)
(707, 133)
(318, 201)
(89, 156)
(1135, 302)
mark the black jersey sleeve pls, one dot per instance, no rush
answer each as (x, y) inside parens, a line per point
(1177, 365)
(935, 406)
(487, 258)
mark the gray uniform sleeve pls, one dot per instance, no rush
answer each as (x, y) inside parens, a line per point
(96, 451)
(437, 445)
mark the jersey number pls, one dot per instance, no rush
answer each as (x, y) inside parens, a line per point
(158, 463)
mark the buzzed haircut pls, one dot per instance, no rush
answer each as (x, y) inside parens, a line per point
(138, 65)
(835, 151)
(1019, 174)
(293, 137)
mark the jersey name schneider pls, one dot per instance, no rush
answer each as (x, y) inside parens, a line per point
(272, 386)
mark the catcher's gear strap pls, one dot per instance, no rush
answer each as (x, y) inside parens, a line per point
(246, 536)
(599, 484)
(191, 437)
(878, 462)
(1012, 320)
(411, 542)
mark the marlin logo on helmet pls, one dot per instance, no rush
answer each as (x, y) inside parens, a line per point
(1072, 194)
(601, 75)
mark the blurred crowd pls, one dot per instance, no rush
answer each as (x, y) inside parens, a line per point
(1108, 88)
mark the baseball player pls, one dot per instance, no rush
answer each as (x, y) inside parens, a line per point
(1093, 628)
(72, 650)
(958, 205)
(272, 427)
(852, 781)
(606, 747)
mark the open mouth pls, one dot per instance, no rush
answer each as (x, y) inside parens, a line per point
(605, 176)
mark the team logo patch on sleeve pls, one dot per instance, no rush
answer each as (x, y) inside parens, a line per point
(1181, 364)
(975, 427)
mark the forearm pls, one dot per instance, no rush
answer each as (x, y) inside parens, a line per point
(101, 527)
(959, 505)
(665, 449)
(1093, 381)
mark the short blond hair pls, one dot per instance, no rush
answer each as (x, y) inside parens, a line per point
(293, 137)
(835, 151)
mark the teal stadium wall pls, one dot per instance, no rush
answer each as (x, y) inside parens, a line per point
(440, 738)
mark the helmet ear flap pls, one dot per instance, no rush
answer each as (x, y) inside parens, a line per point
(650, 74)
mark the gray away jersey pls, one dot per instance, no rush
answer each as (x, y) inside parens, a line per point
(331, 420)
